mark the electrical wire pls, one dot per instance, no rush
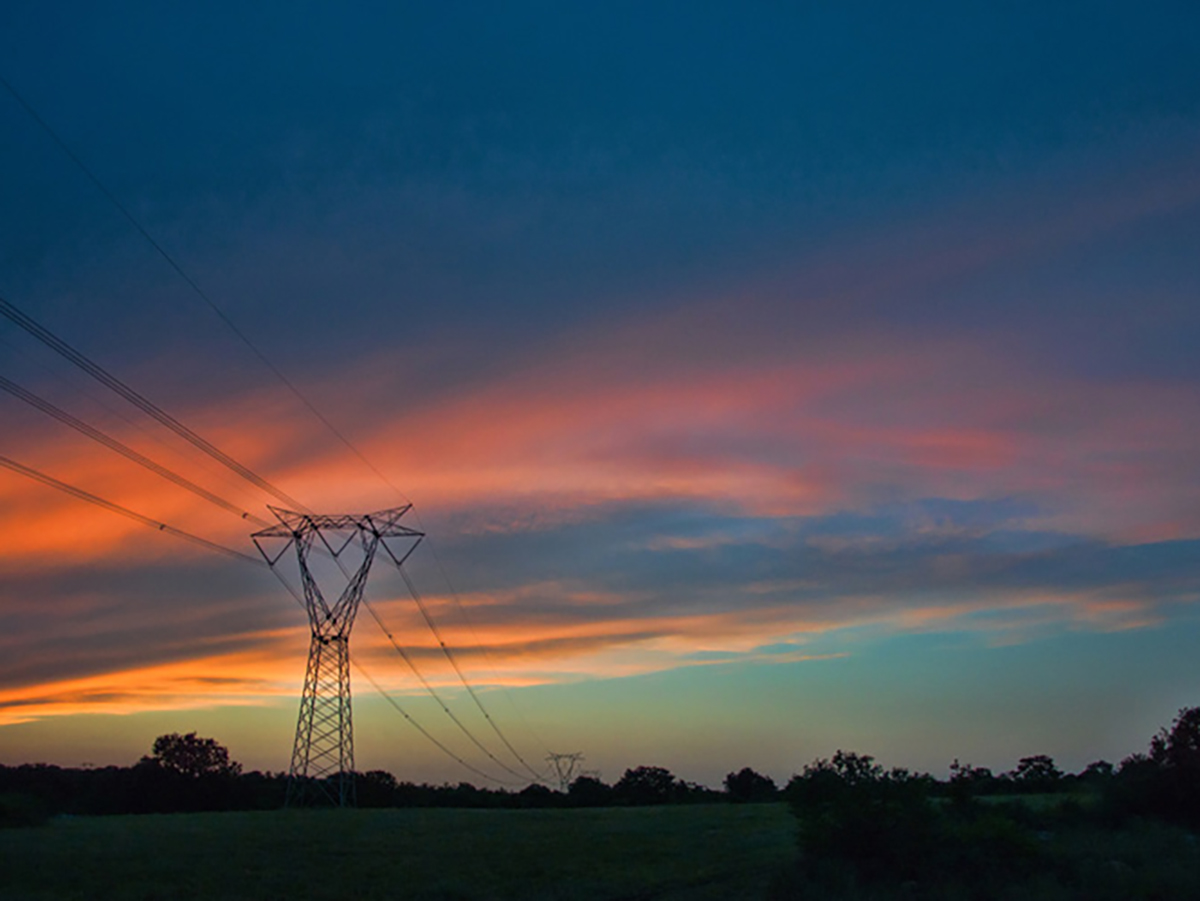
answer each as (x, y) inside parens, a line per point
(221, 549)
(304, 606)
(123, 511)
(462, 612)
(123, 449)
(95, 180)
(170, 422)
(421, 729)
(462, 678)
(110, 381)
(76, 385)
(63, 416)
(433, 693)
(213, 546)
(399, 563)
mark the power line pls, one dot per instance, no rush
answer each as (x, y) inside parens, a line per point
(421, 729)
(323, 736)
(123, 511)
(245, 339)
(433, 693)
(112, 443)
(462, 612)
(79, 493)
(288, 383)
(221, 549)
(75, 384)
(123, 449)
(462, 678)
(148, 407)
(170, 422)
(105, 378)
(399, 563)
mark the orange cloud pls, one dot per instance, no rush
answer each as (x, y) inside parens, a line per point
(725, 402)
(800, 437)
(242, 678)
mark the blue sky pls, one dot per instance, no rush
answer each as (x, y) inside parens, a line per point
(739, 360)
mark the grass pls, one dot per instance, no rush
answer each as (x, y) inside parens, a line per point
(1044, 802)
(668, 853)
(684, 853)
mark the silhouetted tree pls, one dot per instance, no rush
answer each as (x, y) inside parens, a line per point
(861, 823)
(1166, 782)
(192, 756)
(1037, 774)
(588, 791)
(686, 792)
(968, 782)
(1179, 747)
(184, 772)
(536, 795)
(646, 785)
(1097, 772)
(853, 812)
(464, 794)
(746, 785)
(375, 788)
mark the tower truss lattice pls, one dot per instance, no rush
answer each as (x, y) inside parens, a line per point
(322, 767)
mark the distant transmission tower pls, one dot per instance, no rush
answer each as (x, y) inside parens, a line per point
(322, 769)
(566, 767)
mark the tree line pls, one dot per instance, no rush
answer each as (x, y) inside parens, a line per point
(185, 773)
(1124, 832)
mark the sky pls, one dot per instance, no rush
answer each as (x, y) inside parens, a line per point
(768, 378)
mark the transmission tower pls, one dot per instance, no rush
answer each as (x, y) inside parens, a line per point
(566, 767)
(322, 769)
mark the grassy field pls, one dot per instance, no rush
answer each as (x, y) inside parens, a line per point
(669, 853)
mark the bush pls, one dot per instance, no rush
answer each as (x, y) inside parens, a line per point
(747, 786)
(1165, 784)
(648, 785)
(854, 814)
(588, 791)
(861, 824)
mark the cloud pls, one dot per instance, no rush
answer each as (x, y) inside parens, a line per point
(718, 473)
(610, 510)
(187, 684)
(803, 431)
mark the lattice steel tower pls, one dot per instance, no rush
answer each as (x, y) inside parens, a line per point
(322, 769)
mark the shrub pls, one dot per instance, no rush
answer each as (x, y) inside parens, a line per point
(648, 785)
(588, 791)
(747, 786)
(853, 813)
(859, 823)
(1037, 774)
(1165, 784)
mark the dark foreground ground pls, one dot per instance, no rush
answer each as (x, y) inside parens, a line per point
(670, 853)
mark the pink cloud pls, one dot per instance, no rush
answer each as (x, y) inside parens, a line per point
(807, 436)
(729, 402)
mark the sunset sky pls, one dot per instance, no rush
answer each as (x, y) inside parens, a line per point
(769, 378)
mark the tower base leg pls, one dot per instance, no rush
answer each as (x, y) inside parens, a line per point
(322, 770)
